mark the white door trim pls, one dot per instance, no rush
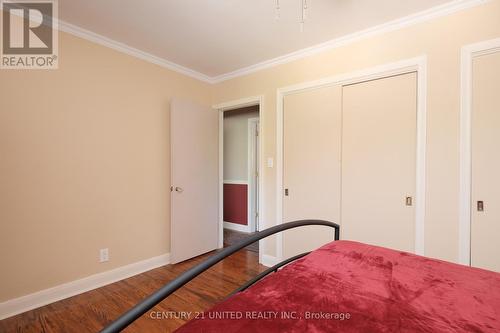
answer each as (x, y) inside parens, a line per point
(418, 65)
(227, 106)
(253, 126)
(469, 52)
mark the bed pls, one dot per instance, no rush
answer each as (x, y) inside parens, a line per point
(348, 286)
(352, 287)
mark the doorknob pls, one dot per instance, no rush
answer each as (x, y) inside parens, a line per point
(179, 189)
(480, 206)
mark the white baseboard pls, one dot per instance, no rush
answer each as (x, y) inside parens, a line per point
(269, 261)
(237, 227)
(32, 301)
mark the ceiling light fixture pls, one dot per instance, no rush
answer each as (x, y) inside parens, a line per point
(303, 13)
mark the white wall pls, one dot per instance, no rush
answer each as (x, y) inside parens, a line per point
(236, 143)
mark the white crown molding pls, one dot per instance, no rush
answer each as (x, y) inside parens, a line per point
(423, 16)
(32, 301)
(127, 49)
(124, 48)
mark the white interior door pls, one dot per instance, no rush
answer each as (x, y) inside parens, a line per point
(379, 162)
(194, 196)
(485, 228)
(311, 168)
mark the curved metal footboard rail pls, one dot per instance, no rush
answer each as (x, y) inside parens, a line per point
(149, 302)
(267, 272)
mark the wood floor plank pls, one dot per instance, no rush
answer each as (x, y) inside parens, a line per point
(90, 311)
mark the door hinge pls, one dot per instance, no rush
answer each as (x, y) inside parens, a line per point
(256, 132)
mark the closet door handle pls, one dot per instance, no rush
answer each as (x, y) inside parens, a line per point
(179, 189)
(480, 206)
(409, 201)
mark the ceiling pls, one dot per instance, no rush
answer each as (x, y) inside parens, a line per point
(215, 37)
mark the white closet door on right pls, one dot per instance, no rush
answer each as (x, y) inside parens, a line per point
(485, 228)
(379, 161)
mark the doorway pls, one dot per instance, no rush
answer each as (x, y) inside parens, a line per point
(240, 174)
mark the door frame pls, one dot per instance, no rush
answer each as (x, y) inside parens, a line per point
(253, 172)
(221, 108)
(469, 52)
(419, 65)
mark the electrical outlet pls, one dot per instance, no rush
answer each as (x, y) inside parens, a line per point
(103, 255)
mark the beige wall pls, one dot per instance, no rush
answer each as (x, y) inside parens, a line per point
(440, 40)
(236, 143)
(84, 164)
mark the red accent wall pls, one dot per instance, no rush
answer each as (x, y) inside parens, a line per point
(236, 204)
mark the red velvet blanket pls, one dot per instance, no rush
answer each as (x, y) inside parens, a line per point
(351, 287)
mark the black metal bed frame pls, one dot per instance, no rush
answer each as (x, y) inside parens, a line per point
(149, 302)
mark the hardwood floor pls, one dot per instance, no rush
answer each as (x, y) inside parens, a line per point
(90, 311)
(232, 237)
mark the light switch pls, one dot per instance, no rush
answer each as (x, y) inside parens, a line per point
(270, 162)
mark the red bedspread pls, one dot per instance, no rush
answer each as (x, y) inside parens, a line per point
(351, 287)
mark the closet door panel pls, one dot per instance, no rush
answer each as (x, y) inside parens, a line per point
(311, 172)
(379, 161)
(485, 225)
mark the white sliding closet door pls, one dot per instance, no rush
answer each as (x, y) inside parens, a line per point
(379, 161)
(485, 228)
(312, 123)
